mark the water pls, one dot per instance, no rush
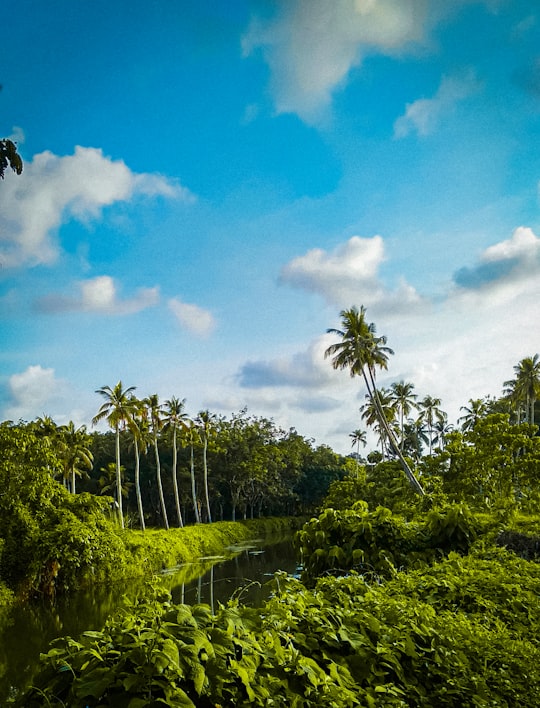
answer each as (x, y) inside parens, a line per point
(27, 630)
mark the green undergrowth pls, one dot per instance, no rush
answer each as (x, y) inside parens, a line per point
(157, 549)
(463, 633)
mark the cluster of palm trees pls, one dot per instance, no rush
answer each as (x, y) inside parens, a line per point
(387, 410)
(145, 419)
(71, 446)
(361, 351)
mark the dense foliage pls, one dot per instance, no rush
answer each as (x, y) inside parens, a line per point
(462, 633)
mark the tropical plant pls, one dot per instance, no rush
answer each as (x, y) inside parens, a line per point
(404, 399)
(371, 414)
(525, 388)
(117, 411)
(361, 351)
(175, 418)
(429, 414)
(358, 436)
(476, 409)
(154, 409)
(191, 436)
(205, 421)
(140, 430)
(74, 453)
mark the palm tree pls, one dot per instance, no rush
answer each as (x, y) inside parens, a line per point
(361, 351)
(405, 400)
(371, 414)
(175, 418)
(191, 434)
(154, 409)
(140, 429)
(205, 420)
(429, 413)
(75, 452)
(358, 436)
(117, 410)
(526, 385)
(476, 409)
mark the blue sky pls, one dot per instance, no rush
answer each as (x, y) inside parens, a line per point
(207, 184)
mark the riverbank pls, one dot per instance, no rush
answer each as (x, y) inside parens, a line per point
(115, 554)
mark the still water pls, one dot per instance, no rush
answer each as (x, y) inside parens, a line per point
(26, 631)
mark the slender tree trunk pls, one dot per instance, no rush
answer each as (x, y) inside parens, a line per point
(372, 390)
(138, 483)
(160, 486)
(193, 487)
(175, 481)
(205, 472)
(73, 481)
(119, 478)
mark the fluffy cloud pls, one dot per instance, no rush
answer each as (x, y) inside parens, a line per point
(422, 116)
(348, 275)
(312, 44)
(305, 369)
(29, 391)
(516, 259)
(192, 317)
(463, 346)
(99, 295)
(53, 189)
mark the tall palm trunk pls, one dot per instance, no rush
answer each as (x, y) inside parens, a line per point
(119, 477)
(205, 473)
(175, 481)
(160, 486)
(138, 483)
(374, 394)
(193, 486)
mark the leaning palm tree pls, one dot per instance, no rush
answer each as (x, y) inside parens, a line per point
(154, 409)
(404, 399)
(205, 420)
(175, 418)
(360, 351)
(371, 410)
(117, 410)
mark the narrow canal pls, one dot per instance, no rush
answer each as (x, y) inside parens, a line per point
(28, 630)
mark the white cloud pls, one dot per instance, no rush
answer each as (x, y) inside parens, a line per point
(312, 44)
(192, 317)
(349, 275)
(513, 262)
(30, 391)
(463, 346)
(99, 295)
(423, 116)
(305, 370)
(53, 189)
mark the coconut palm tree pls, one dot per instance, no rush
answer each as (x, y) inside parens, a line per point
(191, 437)
(476, 409)
(205, 421)
(140, 430)
(404, 399)
(361, 351)
(371, 414)
(154, 410)
(526, 385)
(75, 453)
(117, 410)
(429, 413)
(358, 436)
(175, 418)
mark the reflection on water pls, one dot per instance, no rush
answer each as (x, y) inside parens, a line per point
(27, 630)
